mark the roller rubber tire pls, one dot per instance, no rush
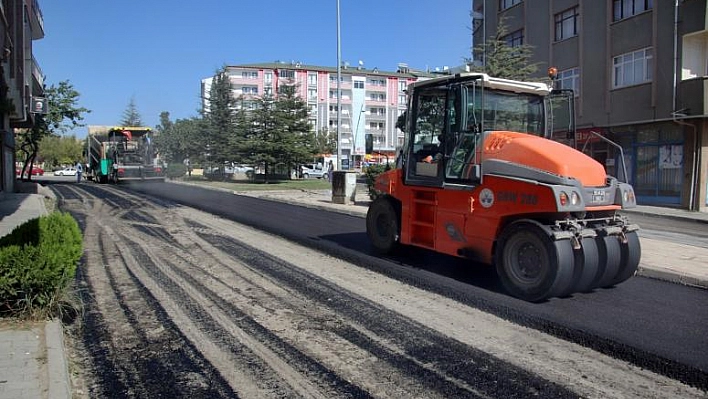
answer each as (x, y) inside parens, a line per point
(530, 265)
(383, 226)
(586, 266)
(610, 257)
(631, 253)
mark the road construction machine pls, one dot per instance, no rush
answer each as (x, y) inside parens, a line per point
(122, 153)
(488, 172)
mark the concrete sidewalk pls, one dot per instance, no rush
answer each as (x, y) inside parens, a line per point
(33, 362)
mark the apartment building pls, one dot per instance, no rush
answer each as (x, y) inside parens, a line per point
(21, 79)
(639, 70)
(371, 99)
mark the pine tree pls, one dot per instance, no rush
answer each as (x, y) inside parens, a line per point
(504, 61)
(296, 141)
(220, 119)
(131, 116)
(258, 143)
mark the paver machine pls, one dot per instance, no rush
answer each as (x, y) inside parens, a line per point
(123, 154)
(487, 172)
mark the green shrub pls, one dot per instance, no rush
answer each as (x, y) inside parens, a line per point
(372, 172)
(38, 261)
(175, 170)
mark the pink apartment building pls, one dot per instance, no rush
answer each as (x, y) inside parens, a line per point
(372, 100)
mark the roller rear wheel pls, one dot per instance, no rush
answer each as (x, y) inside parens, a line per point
(383, 225)
(532, 266)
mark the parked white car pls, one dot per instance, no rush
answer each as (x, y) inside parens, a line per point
(314, 170)
(70, 171)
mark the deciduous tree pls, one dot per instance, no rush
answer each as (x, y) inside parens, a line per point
(63, 115)
(58, 150)
(326, 141)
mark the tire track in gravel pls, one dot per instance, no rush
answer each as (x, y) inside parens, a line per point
(137, 265)
(589, 373)
(134, 349)
(191, 298)
(440, 363)
(424, 380)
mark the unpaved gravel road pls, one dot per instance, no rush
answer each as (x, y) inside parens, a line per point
(179, 303)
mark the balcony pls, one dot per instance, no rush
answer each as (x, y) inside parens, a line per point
(692, 96)
(38, 77)
(36, 21)
(377, 117)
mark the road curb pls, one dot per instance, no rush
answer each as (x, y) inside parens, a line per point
(57, 367)
(665, 215)
(672, 277)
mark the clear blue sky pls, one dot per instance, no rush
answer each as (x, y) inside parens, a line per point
(157, 51)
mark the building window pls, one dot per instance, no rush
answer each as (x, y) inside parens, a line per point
(628, 8)
(377, 97)
(632, 68)
(570, 79)
(268, 77)
(333, 94)
(332, 108)
(401, 99)
(287, 73)
(567, 24)
(358, 84)
(402, 85)
(249, 105)
(504, 4)
(312, 79)
(249, 90)
(249, 75)
(268, 91)
(312, 94)
(515, 39)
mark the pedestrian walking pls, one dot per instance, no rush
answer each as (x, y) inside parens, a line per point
(79, 171)
(330, 170)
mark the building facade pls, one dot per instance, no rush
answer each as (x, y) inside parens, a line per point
(371, 100)
(638, 68)
(21, 79)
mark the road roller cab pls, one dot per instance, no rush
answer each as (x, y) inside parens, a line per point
(489, 172)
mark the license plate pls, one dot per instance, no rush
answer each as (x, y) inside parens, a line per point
(598, 196)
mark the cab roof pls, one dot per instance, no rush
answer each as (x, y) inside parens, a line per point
(515, 86)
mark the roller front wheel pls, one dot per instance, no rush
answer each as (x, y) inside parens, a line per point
(532, 266)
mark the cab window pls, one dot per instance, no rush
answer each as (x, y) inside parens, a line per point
(429, 127)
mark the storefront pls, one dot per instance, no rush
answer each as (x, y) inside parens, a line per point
(654, 159)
